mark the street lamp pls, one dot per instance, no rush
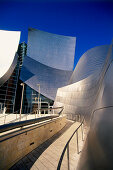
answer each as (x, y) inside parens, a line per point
(39, 101)
(22, 84)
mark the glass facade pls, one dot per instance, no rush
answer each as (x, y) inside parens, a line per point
(30, 100)
(11, 91)
(22, 49)
(8, 90)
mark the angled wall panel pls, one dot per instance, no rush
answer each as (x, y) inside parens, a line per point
(53, 50)
(49, 61)
(50, 79)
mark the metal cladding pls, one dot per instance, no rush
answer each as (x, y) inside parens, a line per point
(79, 97)
(49, 61)
(50, 79)
(9, 41)
(90, 62)
(56, 51)
(91, 95)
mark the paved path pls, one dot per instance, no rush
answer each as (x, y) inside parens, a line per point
(47, 155)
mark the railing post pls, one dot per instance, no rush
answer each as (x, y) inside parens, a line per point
(82, 132)
(38, 113)
(53, 111)
(79, 118)
(68, 157)
(77, 141)
(35, 114)
(16, 116)
(22, 84)
(4, 118)
(76, 117)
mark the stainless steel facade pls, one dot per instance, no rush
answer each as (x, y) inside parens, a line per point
(79, 96)
(9, 41)
(91, 94)
(56, 51)
(90, 62)
(50, 79)
(49, 62)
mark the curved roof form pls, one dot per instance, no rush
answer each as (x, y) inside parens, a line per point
(50, 79)
(9, 41)
(90, 62)
(53, 50)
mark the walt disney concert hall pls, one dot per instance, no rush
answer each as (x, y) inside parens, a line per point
(86, 91)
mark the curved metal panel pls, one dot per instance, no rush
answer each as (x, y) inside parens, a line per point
(9, 41)
(7, 75)
(79, 97)
(90, 61)
(53, 50)
(98, 150)
(93, 97)
(50, 79)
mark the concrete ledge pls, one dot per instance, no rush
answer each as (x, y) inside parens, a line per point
(16, 144)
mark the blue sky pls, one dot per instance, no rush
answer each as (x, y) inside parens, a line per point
(90, 21)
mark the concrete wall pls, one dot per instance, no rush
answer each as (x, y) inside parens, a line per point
(17, 144)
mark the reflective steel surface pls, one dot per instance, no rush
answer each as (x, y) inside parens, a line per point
(50, 79)
(9, 41)
(56, 51)
(92, 97)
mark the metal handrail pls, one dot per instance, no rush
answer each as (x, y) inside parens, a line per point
(14, 124)
(53, 108)
(104, 107)
(10, 126)
(36, 112)
(67, 145)
(9, 114)
(1, 110)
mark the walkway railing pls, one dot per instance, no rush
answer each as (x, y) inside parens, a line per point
(67, 144)
(2, 108)
(8, 114)
(36, 113)
(15, 124)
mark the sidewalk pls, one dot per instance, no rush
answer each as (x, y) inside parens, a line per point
(47, 155)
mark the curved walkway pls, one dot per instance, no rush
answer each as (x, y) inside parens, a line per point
(47, 155)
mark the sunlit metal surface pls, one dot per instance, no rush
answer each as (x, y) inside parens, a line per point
(9, 41)
(90, 62)
(56, 51)
(50, 79)
(91, 94)
(79, 97)
(49, 61)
